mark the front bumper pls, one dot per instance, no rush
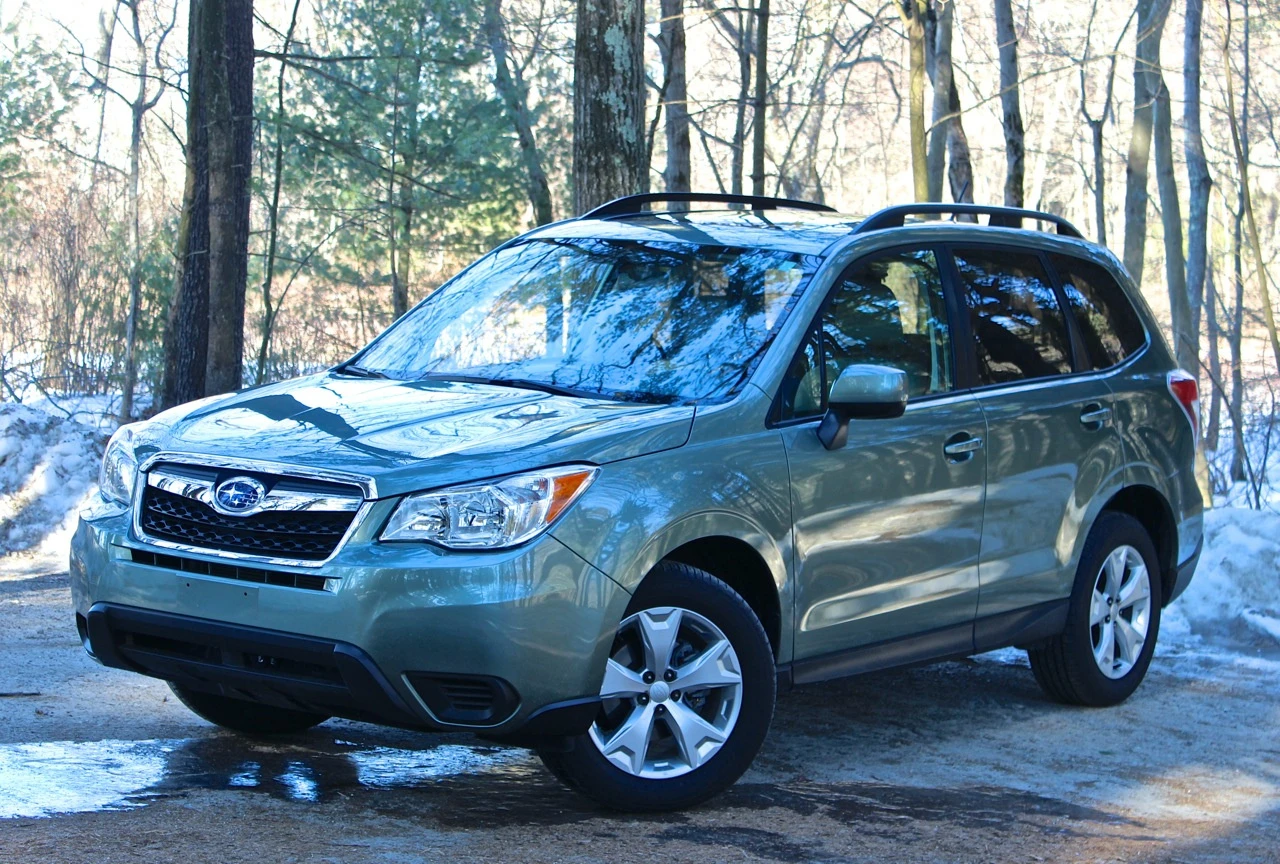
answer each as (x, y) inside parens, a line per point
(403, 634)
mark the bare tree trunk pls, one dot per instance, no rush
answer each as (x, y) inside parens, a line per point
(405, 208)
(1151, 18)
(943, 119)
(186, 336)
(762, 91)
(608, 102)
(1015, 148)
(515, 97)
(230, 115)
(1214, 425)
(1186, 342)
(1235, 343)
(914, 14)
(273, 209)
(960, 171)
(745, 36)
(1198, 179)
(672, 43)
(1246, 202)
(137, 111)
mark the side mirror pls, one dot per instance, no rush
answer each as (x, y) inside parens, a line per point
(862, 391)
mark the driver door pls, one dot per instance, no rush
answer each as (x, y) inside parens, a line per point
(887, 528)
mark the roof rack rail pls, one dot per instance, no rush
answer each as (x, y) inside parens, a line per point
(999, 217)
(634, 205)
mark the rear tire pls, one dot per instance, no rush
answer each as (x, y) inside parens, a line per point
(1113, 619)
(690, 744)
(250, 718)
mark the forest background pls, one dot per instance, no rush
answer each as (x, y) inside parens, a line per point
(199, 195)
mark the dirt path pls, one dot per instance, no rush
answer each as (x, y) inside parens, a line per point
(956, 762)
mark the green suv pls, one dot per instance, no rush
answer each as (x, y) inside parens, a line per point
(628, 476)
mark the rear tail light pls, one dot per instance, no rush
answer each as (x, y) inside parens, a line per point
(1186, 390)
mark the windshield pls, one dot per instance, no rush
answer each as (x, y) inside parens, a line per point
(618, 319)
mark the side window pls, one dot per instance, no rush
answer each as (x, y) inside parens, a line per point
(887, 308)
(1108, 323)
(1018, 328)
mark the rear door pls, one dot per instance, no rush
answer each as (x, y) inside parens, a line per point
(887, 528)
(1051, 440)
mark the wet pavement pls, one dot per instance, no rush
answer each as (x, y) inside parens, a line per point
(956, 762)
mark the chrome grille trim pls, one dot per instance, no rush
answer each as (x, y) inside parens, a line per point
(169, 478)
(200, 489)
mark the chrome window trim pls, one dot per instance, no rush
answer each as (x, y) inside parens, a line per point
(366, 485)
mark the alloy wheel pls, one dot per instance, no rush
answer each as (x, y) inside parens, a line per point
(671, 694)
(1120, 611)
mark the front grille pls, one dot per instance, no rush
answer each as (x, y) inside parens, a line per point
(228, 571)
(300, 534)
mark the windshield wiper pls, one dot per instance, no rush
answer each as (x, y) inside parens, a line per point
(547, 387)
(360, 371)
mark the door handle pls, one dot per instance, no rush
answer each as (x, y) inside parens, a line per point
(1095, 415)
(962, 449)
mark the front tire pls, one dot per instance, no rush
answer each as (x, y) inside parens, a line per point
(687, 698)
(250, 718)
(1112, 620)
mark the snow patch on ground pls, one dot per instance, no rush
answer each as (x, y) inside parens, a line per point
(1237, 580)
(48, 466)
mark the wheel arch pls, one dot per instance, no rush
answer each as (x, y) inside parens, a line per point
(736, 563)
(1152, 509)
(735, 551)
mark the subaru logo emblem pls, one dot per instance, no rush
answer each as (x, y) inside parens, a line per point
(239, 496)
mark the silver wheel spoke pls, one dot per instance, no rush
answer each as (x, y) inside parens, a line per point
(1136, 590)
(1105, 652)
(619, 681)
(1115, 572)
(1097, 608)
(1128, 641)
(715, 667)
(658, 630)
(629, 744)
(693, 733)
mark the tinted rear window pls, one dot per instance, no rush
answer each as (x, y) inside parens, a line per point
(1018, 327)
(1108, 323)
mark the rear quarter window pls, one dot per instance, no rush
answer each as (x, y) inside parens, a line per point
(1108, 323)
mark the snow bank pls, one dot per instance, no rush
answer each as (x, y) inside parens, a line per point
(1238, 578)
(48, 466)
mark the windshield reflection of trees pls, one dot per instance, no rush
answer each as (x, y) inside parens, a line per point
(672, 320)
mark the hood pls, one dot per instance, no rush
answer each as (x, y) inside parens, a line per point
(412, 435)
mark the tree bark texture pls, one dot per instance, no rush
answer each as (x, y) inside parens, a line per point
(672, 42)
(759, 117)
(1198, 179)
(186, 335)
(608, 102)
(137, 110)
(230, 141)
(914, 14)
(960, 170)
(1186, 342)
(515, 98)
(1015, 148)
(943, 115)
(1151, 18)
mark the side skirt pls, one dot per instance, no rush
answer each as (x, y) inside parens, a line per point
(1021, 627)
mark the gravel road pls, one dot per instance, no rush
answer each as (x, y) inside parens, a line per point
(956, 762)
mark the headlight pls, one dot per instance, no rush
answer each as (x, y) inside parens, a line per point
(490, 515)
(119, 467)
